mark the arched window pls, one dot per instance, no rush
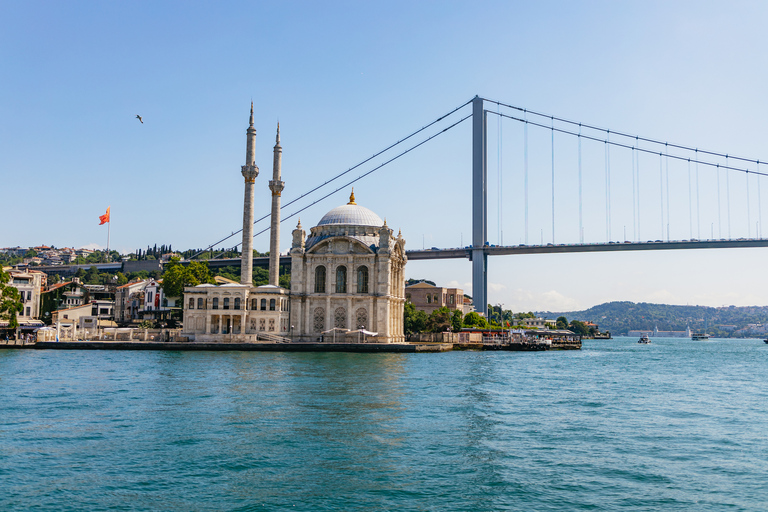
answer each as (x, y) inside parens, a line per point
(320, 279)
(272, 305)
(362, 279)
(200, 303)
(263, 304)
(215, 303)
(254, 304)
(237, 302)
(341, 279)
(226, 302)
(191, 303)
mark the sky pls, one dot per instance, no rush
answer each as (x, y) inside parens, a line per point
(346, 80)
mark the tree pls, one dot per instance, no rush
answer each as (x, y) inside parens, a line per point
(413, 320)
(439, 320)
(562, 322)
(579, 328)
(121, 279)
(10, 300)
(456, 320)
(473, 319)
(177, 276)
(92, 276)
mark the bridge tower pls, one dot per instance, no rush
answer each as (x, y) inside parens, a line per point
(479, 255)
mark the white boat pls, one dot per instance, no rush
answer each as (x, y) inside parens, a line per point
(644, 339)
(700, 336)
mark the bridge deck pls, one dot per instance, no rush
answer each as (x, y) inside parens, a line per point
(433, 254)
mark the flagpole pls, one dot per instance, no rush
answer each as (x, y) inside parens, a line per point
(109, 228)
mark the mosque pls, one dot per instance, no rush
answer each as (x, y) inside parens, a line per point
(347, 278)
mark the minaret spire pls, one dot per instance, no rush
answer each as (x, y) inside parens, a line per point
(276, 186)
(249, 172)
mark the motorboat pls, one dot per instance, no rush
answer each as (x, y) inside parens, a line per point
(644, 339)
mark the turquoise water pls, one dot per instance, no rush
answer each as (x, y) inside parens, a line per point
(675, 425)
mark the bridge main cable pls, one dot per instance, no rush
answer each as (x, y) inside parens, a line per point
(441, 118)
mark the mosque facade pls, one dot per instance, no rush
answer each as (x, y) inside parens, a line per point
(347, 278)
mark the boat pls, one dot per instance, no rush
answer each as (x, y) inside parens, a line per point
(766, 340)
(700, 336)
(644, 339)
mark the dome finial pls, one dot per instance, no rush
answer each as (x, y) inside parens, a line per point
(352, 197)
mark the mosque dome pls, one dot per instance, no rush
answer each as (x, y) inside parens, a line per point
(351, 214)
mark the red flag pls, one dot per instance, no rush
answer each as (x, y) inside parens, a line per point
(104, 218)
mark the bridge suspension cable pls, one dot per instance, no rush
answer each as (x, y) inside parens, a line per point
(342, 187)
(318, 187)
(622, 134)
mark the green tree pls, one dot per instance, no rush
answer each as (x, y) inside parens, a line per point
(414, 321)
(121, 279)
(30, 253)
(562, 323)
(579, 328)
(91, 276)
(457, 319)
(439, 320)
(177, 276)
(473, 319)
(10, 300)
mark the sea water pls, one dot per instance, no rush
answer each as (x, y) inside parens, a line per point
(674, 425)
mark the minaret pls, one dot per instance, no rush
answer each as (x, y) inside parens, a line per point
(276, 186)
(249, 171)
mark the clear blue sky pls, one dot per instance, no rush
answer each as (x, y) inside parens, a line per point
(346, 79)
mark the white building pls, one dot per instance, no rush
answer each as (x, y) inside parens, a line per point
(348, 276)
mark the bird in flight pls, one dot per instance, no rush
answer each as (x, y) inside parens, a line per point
(139, 118)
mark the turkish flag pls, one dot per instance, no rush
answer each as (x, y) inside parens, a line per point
(104, 218)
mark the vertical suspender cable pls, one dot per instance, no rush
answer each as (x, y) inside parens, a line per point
(728, 195)
(666, 165)
(638, 192)
(698, 199)
(690, 200)
(634, 199)
(525, 171)
(719, 217)
(501, 181)
(498, 176)
(749, 219)
(581, 218)
(607, 194)
(553, 180)
(661, 192)
(759, 205)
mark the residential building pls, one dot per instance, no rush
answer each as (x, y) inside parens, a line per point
(426, 297)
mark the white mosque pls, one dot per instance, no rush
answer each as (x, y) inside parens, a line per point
(347, 278)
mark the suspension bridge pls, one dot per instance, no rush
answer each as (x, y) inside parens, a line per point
(721, 191)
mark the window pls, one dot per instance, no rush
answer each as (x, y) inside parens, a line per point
(226, 302)
(254, 304)
(215, 303)
(263, 304)
(341, 279)
(429, 299)
(271, 306)
(408, 297)
(362, 280)
(191, 303)
(200, 303)
(320, 279)
(237, 303)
